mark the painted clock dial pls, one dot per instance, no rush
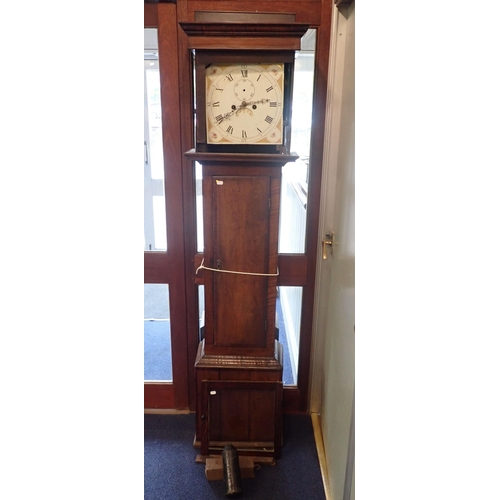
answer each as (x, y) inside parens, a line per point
(244, 103)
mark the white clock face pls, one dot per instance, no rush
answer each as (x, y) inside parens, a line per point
(244, 104)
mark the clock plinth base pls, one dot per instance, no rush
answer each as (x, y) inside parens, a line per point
(239, 400)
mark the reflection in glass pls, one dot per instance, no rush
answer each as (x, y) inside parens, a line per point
(199, 208)
(295, 175)
(201, 309)
(288, 315)
(155, 237)
(157, 343)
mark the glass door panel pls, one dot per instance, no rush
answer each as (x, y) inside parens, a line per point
(199, 208)
(288, 316)
(155, 227)
(157, 337)
(294, 185)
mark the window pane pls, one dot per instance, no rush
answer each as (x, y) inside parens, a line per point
(155, 237)
(295, 174)
(201, 309)
(199, 207)
(288, 315)
(157, 344)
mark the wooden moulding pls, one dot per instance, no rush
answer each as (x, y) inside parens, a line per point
(239, 159)
(240, 362)
(242, 35)
(242, 29)
(242, 43)
(210, 16)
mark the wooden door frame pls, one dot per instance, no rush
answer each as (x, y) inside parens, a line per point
(163, 267)
(295, 269)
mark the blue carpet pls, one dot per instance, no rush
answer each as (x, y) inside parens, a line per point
(156, 301)
(157, 351)
(170, 471)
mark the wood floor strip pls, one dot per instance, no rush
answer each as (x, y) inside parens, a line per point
(318, 437)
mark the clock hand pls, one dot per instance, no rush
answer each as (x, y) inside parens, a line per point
(225, 116)
(244, 104)
(260, 101)
(236, 109)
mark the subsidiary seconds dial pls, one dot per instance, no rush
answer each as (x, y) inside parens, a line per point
(244, 103)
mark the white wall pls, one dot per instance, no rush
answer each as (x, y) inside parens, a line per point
(332, 388)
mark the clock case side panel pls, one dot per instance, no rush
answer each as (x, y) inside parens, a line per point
(204, 58)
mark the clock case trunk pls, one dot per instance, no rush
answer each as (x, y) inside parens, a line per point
(204, 58)
(240, 349)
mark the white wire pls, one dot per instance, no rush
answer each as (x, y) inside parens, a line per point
(232, 272)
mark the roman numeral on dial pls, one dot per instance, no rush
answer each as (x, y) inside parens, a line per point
(269, 119)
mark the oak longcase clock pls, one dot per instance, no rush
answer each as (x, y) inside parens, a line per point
(243, 96)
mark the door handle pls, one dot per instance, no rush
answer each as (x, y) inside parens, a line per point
(328, 240)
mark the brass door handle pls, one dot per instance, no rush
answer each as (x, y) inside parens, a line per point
(328, 240)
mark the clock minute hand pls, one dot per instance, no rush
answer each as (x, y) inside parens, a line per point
(225, 116)
(244, 104)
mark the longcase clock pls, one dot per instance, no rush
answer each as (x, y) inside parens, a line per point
(243, 116)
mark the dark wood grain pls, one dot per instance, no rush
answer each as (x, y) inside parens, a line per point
(187, 119)
(314, 195)
(245, 413)
(159, 396)
(163, 267)
(305, 11)
(150, 15)
(243, 17)
(237, 159)
(233, 367)
(292, 269)
(286, 31)
(241, 227)
(242, 245)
